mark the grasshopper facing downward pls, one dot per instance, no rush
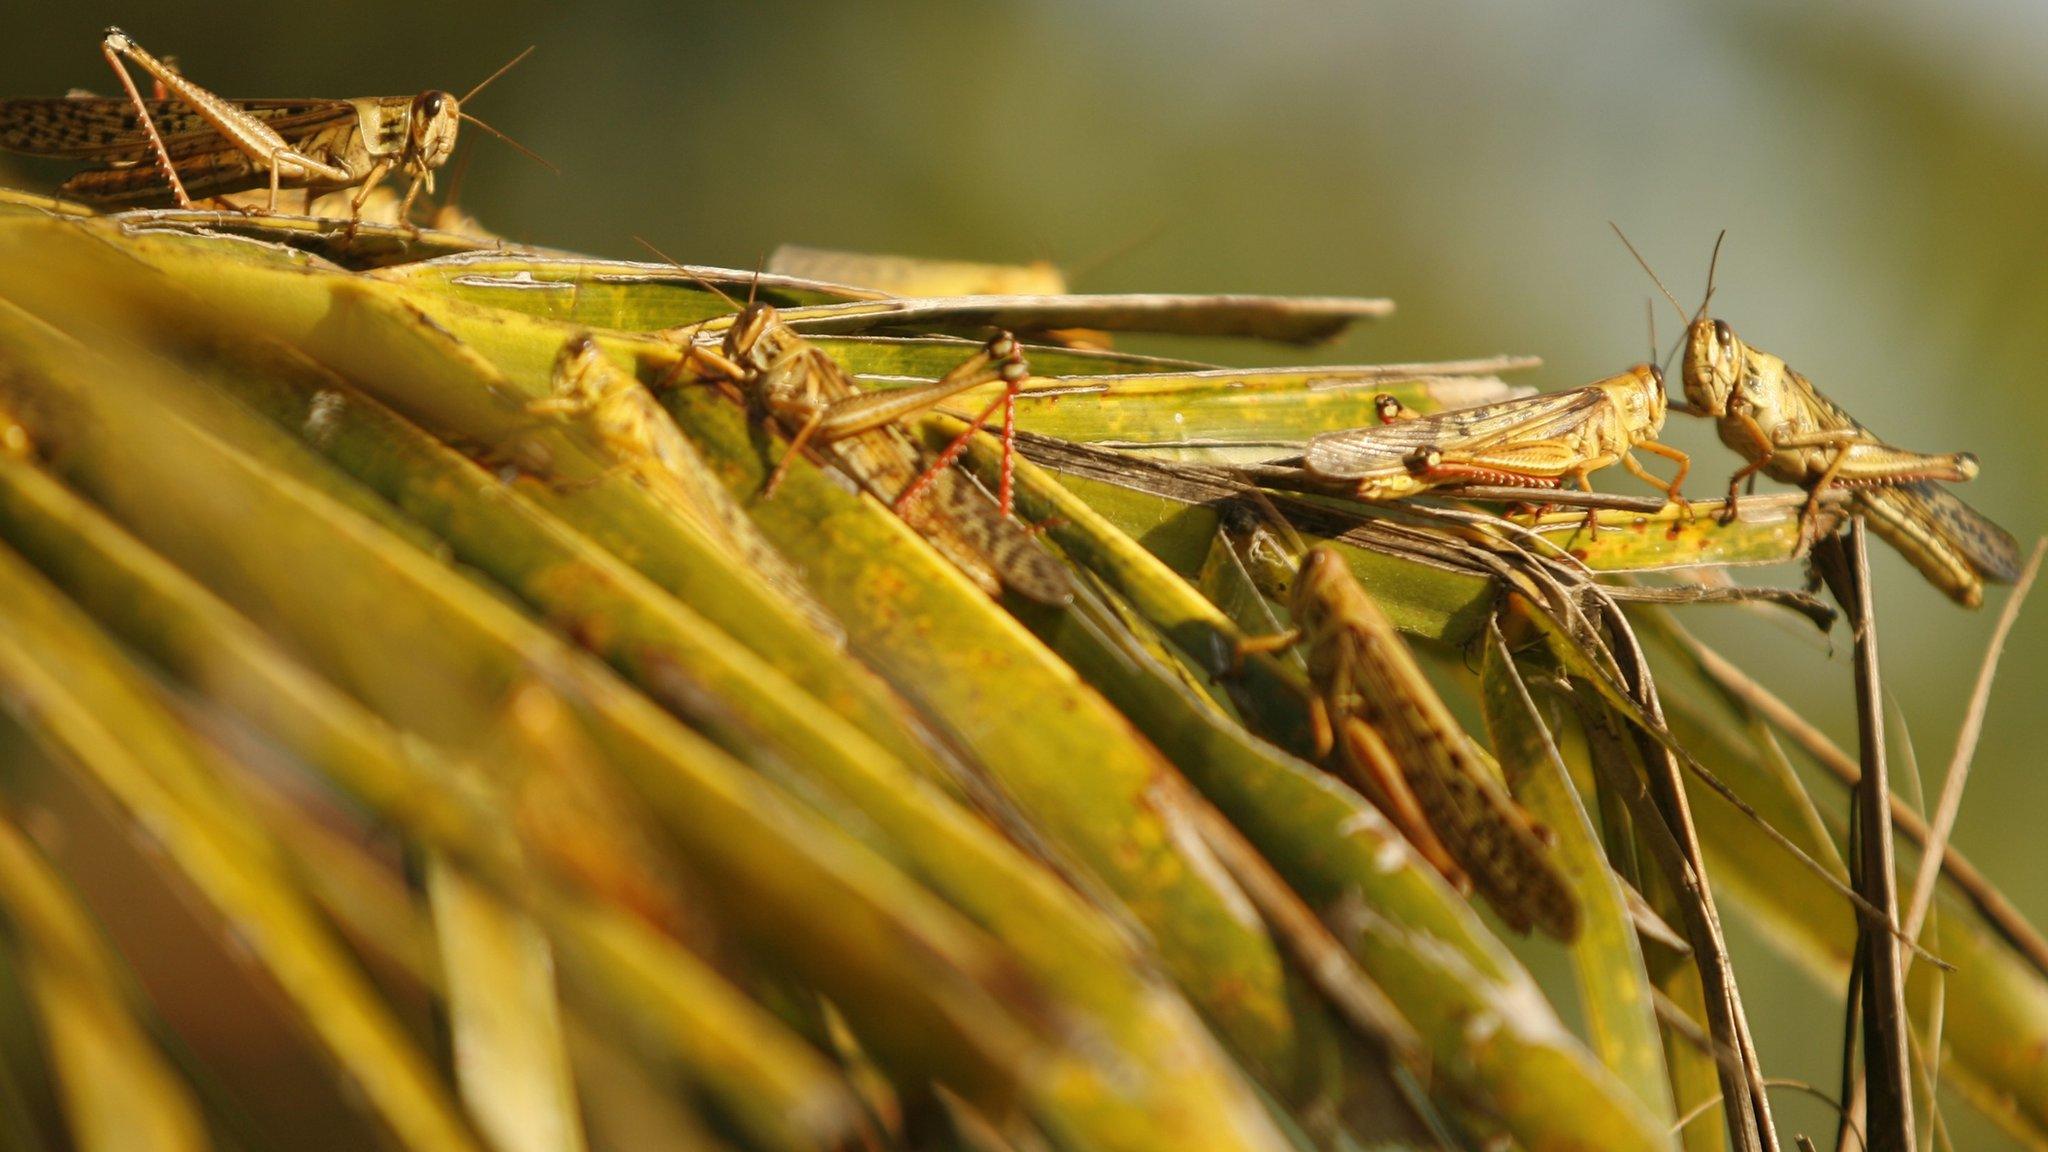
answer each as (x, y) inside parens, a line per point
(1396, 739)
(204, 145)
(816, 402)
(642, 439)
(1778, 421)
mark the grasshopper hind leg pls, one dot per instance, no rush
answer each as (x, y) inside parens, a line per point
(115, 46)
(1012, 370)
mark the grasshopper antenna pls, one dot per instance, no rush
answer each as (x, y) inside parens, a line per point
(463, 102)
(1645, 266)
(1713, 262)
(1118, 251)
(523, 150)
(507, 67)
(701, 282)
(1664, 364)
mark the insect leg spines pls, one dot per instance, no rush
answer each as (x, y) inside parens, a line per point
(115, 46)
(1000, 359)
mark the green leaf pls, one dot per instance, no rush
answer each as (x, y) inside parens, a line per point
(119, 1091)
(505, 1023)
(67, 685)
(1614, 988)
(1415, 938)
(430, 651)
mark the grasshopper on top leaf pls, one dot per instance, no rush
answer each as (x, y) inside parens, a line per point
(193, 143)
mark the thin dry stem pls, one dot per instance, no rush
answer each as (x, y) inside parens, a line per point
(1951, 801)
(1998, 912)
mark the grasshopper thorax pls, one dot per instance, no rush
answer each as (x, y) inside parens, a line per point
(1714, 361)
(430, 125)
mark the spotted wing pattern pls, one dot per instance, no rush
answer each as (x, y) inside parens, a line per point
(1467, 807)
(1952, 544)
(106, 129)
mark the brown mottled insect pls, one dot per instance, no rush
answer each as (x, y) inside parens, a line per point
(639, 435)
(1385, 726)
(1787, 429)
(204, 145)
(816, 402)
(1532, 442)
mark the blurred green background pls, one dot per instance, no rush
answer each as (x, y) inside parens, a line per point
(1882, 177)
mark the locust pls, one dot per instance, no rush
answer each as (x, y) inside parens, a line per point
(817, 404)
(1376, 717)
(1532, 442)
(1789, 430)
(642, 440)
(195, 143)
(1784, 427)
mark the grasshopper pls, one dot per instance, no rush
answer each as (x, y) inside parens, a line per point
(642, 438)
(1787, 429)
(816, 401)
(203, 143)
(1533, 442)
(1377, 716)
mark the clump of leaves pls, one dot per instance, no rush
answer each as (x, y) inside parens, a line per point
(367, 719)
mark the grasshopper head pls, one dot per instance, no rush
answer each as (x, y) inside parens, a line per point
(1714, 360)
(577, 372)
(1644, 403)
(1321, 569)
(430, 126)
(756, 337)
